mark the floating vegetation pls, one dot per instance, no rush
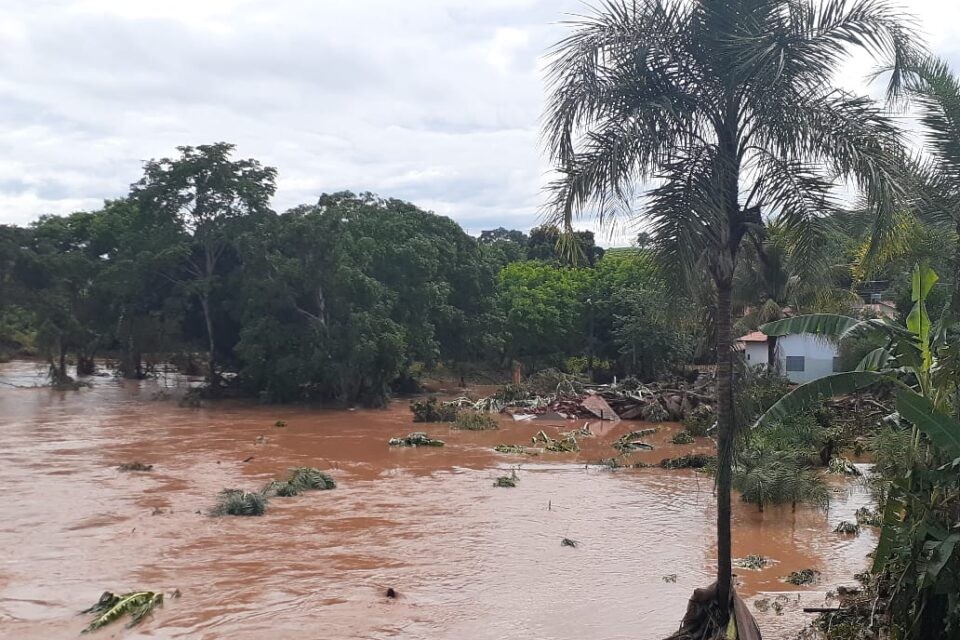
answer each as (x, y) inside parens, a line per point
(633, 441)
(690, 461)
(849, 528)
(301, 479)
(565, 445)
(682, 437)
(506, 481)
(236, 502)
(670, 577)
(868, 516)
(752, 562)
(280, 424)
(473, 421)
(842, 467)
(699, 421)
(511, 448)
(415, 439)
(111, 607)
(582, 432)
(135, 466)
(762, 605)
(432, 410)
(804, 576)
(567, 542)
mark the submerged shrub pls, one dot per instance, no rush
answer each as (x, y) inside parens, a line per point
(432, 410)
(764, 476)
(416, 439)
(682, 437)
(506, 481)
(236, 502)
(700, 421)
(301, 479)
(473, 421)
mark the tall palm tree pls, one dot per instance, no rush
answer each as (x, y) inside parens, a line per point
(727, 105)
(936, 92)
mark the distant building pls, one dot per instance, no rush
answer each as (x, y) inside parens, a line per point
(801, 357)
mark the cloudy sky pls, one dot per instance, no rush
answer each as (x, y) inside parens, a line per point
(434, 101)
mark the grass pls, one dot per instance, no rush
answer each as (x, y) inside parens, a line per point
(236, 502)
(474, 421)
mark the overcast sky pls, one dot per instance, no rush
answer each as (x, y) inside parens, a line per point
(433, 101)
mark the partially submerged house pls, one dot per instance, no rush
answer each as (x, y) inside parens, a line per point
(801, 357)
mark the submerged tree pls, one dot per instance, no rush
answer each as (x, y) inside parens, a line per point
(728, 106)
(196, 201)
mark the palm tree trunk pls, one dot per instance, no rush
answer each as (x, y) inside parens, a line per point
(726, 423)
(211, 356)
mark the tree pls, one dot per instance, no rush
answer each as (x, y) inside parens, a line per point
(918, 555)
(728, 105)
(197, 200)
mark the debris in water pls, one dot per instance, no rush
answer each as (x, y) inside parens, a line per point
(682, 437)
(506, 481)
(391, 592)
(670, 577)
(301, 479)
(843, 467)
(135, 466)
(691, 461)
(432, 410)
(804, 576)
(567, 542)
(868, 516)
(248, 459)
(846, 527)
(111, 607)
(512, 448)
(633, 442)
(566, 445)
(752, 562)
(280, 423)
(473, 421)
(582, 432)
(236, 502)
(762, 605)
(416, 439)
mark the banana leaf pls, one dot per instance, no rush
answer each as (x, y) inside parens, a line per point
(808, 394)
(942, 429)
(876, 360)
(137, 604)
(828, 324)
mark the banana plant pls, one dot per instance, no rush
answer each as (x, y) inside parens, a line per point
(918, 540)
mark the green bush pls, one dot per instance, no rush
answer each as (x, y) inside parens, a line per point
(699, 421)
(473, 421)
(236, 502)
(432, 410)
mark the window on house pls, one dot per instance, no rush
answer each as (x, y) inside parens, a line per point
(795, 363)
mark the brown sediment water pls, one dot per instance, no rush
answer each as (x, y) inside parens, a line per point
(468, 560)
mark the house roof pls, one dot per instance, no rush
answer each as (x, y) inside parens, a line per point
(753, 336)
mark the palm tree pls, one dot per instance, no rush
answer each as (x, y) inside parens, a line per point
(936, 92)
(728, 106)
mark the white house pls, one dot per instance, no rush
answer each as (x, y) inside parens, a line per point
(801, 357)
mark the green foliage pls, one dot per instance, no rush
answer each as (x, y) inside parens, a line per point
(299, 480)
(766, 476)
(699, 421)
(682, 437)
(416, 439)
(433, 410)
(236, 502)
(506, 481)
(111, 608)
(473, 421)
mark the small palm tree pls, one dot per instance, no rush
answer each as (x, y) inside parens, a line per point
(765, 476)
(727, 105)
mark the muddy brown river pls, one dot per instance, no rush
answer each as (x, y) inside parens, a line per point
(469, 561)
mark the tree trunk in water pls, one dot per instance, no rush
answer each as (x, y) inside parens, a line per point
(726, 427)
(85, 365)
(212, 379)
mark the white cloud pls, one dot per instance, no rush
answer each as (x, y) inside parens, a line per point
(434, 101)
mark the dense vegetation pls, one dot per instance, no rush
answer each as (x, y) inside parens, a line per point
(339, 300)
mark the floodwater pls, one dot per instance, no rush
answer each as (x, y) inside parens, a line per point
(469, 561)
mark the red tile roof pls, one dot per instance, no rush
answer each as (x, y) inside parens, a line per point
(753, 336)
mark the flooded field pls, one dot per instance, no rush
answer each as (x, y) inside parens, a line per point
(470, 561)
